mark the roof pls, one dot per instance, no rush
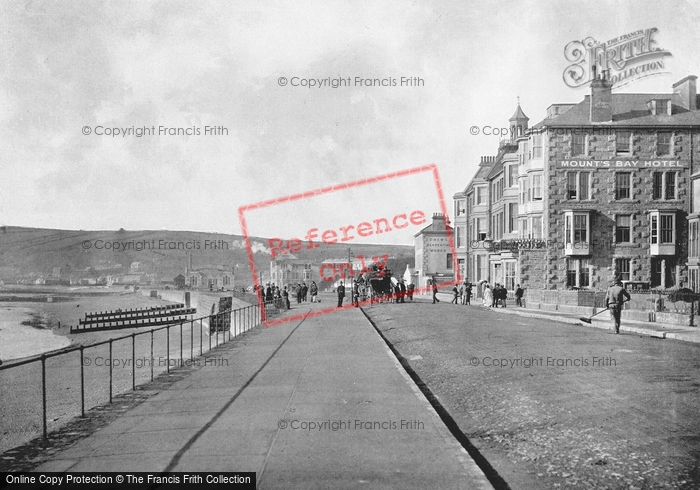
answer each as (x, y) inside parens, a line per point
(519, 114)
(628, 110)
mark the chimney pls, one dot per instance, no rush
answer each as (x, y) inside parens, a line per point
(687, 90)
(601, 99)
(438, 222)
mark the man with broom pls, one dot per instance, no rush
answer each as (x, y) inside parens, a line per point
(613, 300)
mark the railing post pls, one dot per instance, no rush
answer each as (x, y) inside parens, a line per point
(43, 392)
(133, 362)
(180, 344)
(228, 322)
(151, 354)
(110, 370)
(200, 338)
(191, 340)
(167, 360)
(82, 382)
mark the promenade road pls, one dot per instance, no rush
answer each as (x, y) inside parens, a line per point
(257, 411)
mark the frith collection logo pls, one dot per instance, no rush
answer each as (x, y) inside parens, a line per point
(627, 58)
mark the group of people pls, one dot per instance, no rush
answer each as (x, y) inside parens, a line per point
(493, 297)
(272, 294)
(361, 292)
(462, 293)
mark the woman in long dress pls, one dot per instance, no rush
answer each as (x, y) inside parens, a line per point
(488, 295)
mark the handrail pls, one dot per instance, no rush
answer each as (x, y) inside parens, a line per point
(239, 320)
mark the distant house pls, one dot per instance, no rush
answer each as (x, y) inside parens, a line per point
(179, 281)
(132, 278)
(209, 278)
(289, 269)
(135, 266)
(40, 281)
(56, 273)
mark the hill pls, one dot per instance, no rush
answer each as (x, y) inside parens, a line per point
(60, 255)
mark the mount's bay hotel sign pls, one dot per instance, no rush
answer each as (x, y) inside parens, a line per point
(627, 58)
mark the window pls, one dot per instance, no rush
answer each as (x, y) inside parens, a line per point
(663, 228)
(537, 228)
(458, 236)
(583, 185)
(525, 195)
(512, 217)
(658, 185)
(481, 229)
(622, 228)
(480, 197)
(663, 272)
(512, 175)
(572, 185)
(670, 182)
(536, 145)
(580, 228)
(510, 276)
(537, 187)
(623, 182)
(578, 273)
(576, 226)
(693, 278)
(449, 261)
(577, 185)
(693, 250)
(623, 141)
(666, 228)
(664, 185)
(578, 143)
(459, 204)
(663, 143)
(622, 268)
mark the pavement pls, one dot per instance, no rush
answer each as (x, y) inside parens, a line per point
(602, 321)
(317, 403)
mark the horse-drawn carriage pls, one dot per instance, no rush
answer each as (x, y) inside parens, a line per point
(375, 284)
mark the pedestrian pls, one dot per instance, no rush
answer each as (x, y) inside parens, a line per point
(496, 294)
(304, 292)
(355, 293)
(519, 295)
(397, 292)
(468, 294)
(298, 291)
(285, 295)
(314, 291)
(455, 294)
(435, 290)
(341, 294)
(409, 291)
(402, 291)
(268, 294)
(488, 295)
(613, 300)
(504, 296)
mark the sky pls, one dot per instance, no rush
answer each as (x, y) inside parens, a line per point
(73, 71)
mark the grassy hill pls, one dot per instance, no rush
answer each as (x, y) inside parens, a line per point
(28, 253)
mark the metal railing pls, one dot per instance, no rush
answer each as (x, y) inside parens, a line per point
(222, 327)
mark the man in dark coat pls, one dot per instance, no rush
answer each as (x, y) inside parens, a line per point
(519, 292)
(402, 291)
(341, 294)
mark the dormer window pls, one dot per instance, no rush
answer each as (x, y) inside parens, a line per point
(659, 107)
